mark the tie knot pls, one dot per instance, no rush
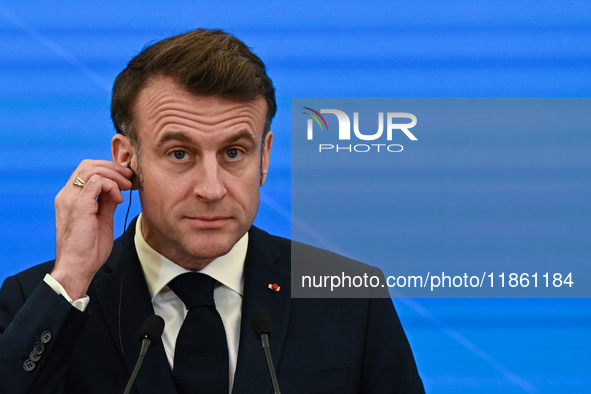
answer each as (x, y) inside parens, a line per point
(194, 289)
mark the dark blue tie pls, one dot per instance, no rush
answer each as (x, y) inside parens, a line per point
(201, 363)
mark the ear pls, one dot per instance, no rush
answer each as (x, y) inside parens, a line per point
(265, 157)
(123, 153)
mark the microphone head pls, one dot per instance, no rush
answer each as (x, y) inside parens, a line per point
(260, 321)
(152, 329)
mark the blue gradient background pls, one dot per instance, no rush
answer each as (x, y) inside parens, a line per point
(58, 60)
(492, 185)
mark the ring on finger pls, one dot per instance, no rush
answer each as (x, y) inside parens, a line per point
(79, 182)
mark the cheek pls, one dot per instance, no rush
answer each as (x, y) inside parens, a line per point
(158, 193)
(158, 181)
(250, 197)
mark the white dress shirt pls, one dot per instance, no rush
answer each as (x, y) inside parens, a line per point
(227, 270)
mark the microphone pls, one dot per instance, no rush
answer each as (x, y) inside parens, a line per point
(260, 321)
(150, 333)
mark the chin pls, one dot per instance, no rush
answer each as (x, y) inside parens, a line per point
(210, 250)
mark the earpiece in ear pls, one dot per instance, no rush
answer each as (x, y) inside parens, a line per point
(132, 171)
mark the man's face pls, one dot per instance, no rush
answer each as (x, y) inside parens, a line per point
(201, 167)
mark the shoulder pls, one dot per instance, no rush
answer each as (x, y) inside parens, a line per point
(319, 273)
(297, 251)
(261, 239)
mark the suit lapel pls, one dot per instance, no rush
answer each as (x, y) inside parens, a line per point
(124, 300)
(260, 270)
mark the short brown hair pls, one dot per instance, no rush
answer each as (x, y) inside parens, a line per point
(204, 62)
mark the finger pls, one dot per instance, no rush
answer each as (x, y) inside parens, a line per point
(107, 206)
(114, 171)
(84, 199)
(100, 186)
(108, 169)
(122, 182)
(108, 201)
(97, 190)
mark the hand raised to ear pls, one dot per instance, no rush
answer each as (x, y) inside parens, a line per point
(84, 211)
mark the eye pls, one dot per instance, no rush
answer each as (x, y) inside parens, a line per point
(179, 154)
(233, 153)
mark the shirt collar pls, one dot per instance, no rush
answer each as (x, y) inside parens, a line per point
(159, 271)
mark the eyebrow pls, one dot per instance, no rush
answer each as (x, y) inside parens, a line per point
(182, 137)
(241, 135)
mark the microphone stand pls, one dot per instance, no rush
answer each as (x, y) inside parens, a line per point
(265, 340)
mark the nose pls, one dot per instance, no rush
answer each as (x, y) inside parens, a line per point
(210, 185)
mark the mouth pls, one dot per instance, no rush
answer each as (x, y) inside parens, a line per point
(208, 222)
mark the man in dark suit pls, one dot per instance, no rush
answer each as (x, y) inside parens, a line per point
(193, 115)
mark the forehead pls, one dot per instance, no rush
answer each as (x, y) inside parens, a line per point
(164, 106)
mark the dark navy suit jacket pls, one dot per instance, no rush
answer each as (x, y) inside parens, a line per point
(317, 345)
